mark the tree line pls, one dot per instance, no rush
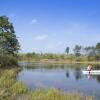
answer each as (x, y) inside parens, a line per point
(90, 53)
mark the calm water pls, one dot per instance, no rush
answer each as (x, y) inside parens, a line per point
(63, 77)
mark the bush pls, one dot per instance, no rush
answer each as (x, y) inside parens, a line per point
(7, 60)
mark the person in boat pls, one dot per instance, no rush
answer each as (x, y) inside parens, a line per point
(89, 68)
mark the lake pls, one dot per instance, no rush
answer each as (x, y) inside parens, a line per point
(65, 77)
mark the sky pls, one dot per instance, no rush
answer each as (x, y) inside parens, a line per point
(50, 26)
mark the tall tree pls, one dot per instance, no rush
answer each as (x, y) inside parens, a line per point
(77, 50)
(9, 44)
(8, 40)
(90, 49)
(90, 52)
(67, 50)
(98, 51)
(98, 48)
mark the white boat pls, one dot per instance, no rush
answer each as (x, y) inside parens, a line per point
(93, 72)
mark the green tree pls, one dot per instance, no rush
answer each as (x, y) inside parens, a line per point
(67, 50)
(98, 51)
(89, 50)
(77, 50)
(98, 48)
(9, 44)
(90, 53)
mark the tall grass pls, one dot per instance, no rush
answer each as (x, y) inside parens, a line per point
(53, 94)
(9, 86)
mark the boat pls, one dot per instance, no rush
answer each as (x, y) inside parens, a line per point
(92, 72)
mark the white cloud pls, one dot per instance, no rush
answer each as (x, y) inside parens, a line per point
(41, 37)
(34, 21)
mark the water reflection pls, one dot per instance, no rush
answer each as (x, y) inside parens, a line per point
(94, 76)
(67, 74)
(77, 73)
(98, 78)
(75, 68)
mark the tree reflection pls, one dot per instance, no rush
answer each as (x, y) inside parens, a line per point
(67, 74)
(98, 78)
(77, 73)
(97, 67)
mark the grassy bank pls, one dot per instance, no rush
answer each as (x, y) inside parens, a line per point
(71, 62)
(11, 89)
(63, 62)
(58, 57)
(9, 86)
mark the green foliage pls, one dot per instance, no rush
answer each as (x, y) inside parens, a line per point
(98, 46)
(67, 50)
(7, 60)
(77, 50)
(98, 51)
(8, 40)
(38, 57)
(9, 44)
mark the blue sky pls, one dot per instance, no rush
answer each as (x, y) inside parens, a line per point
(51, 25)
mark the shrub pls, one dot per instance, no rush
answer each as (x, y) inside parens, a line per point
(7, 60)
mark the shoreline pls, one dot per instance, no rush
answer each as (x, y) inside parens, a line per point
(64, 62)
